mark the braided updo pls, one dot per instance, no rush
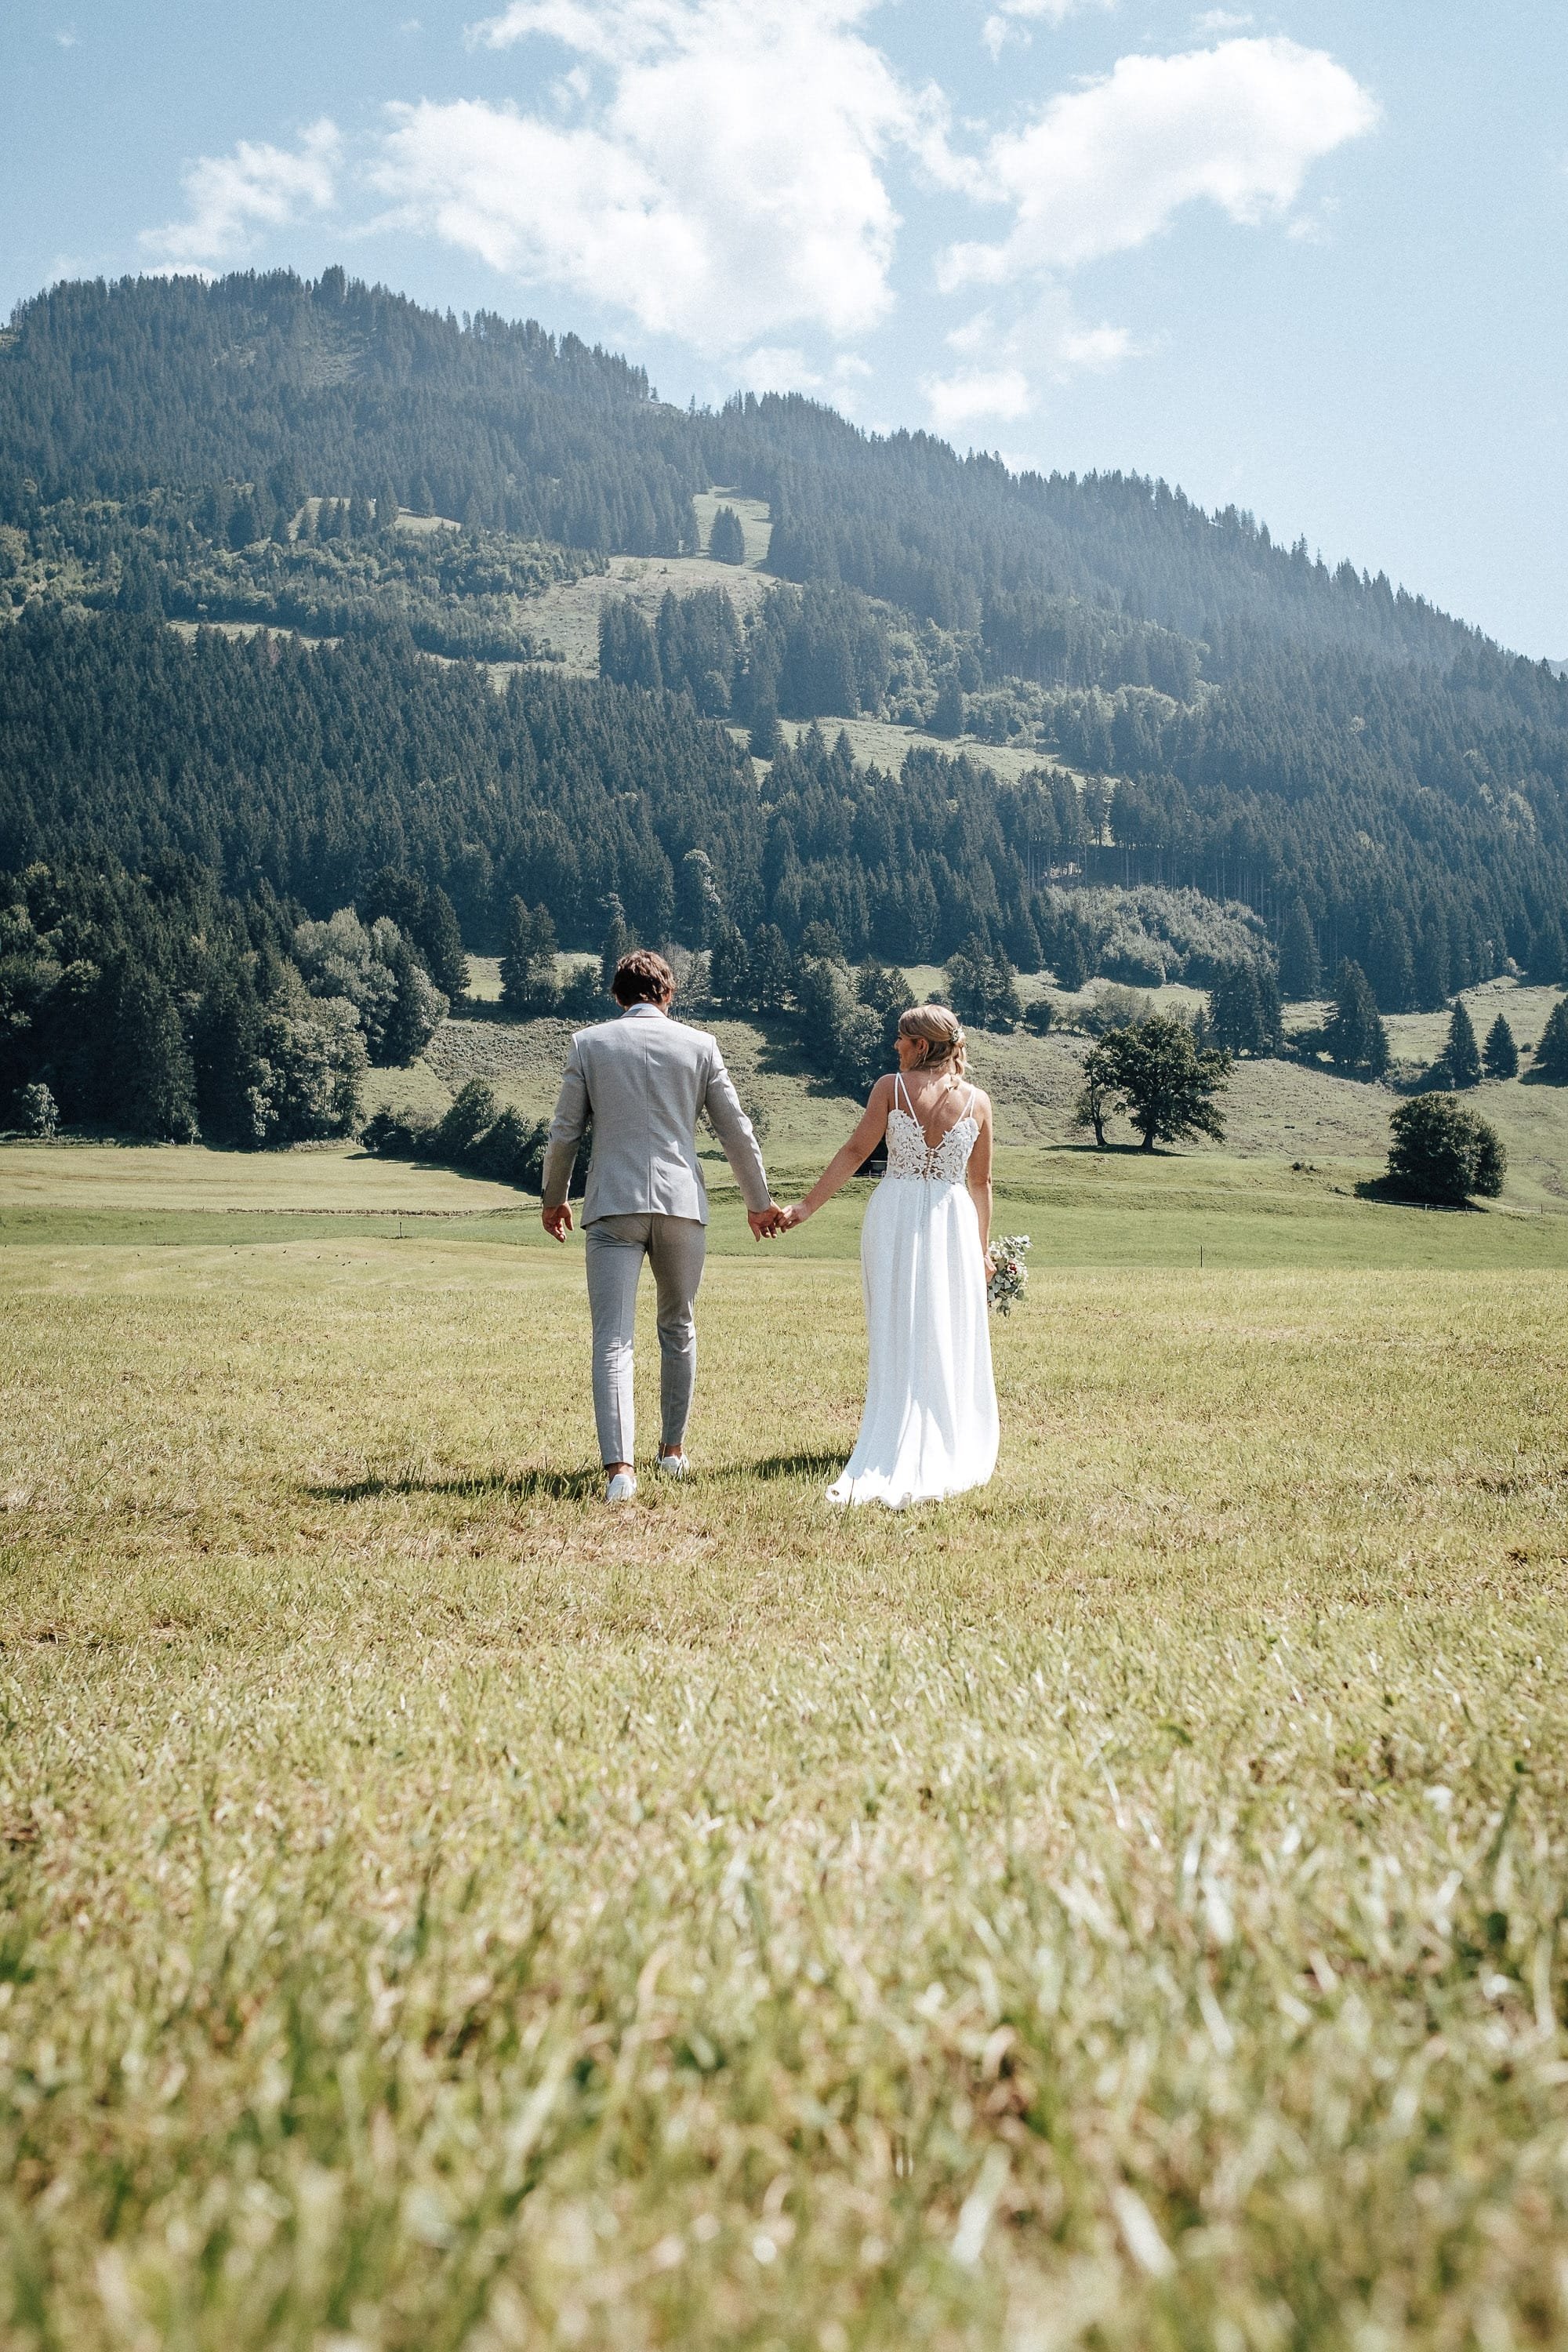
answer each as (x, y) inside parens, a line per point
(939, 1029)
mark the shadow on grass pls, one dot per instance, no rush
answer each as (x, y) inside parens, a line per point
(516, 1485)
(561, 1485)
(792, 1465)
(1393, 1195)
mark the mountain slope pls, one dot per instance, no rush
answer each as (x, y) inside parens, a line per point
(1316, 745)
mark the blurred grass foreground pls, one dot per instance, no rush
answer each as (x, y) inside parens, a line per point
(1121, 1909)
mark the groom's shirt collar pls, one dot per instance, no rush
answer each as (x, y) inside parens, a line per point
(629, 1012)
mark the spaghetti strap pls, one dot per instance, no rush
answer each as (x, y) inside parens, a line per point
(969, 1105)
(899, 1088)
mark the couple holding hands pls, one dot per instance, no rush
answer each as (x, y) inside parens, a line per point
(930, 1426)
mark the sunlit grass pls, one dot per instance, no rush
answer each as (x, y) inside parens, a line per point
(1121, 1908)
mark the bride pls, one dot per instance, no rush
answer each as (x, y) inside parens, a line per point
(930, 1424)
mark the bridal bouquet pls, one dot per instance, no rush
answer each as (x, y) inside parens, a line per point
(1008, 1285)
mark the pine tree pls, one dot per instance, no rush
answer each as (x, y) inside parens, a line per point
(1301, 970)
(1501, 1053)
(416, 1012)
(698, 906)
(627, 651)
(1432, 965)
(1353, 1032)
(617, 942)
(947, 719)
(1549, 955)
(156, 1082)
(730, 967)
(244, 524)
(767, 735)
(528, 983)
(1237, 1020)
(773, 970)
(983, 987)
(1461, 1055)
(1552, 1052)
(727, 540)
(1072, 964)
(440, 942)
(227, 1044)
(386, 508)
(1394, 967)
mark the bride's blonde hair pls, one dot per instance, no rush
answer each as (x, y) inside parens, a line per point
(939, 1029)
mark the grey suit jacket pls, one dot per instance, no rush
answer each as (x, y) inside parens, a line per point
(647, 1079)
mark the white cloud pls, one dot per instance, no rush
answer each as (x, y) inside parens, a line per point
(1104, 168)
(234, 197)
(719, 175)
(1007, 360)
(1221, 20)
(972, 393)
(1007, 22)
(70, 38)
(774, 367)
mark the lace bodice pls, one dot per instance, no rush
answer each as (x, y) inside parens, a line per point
(944, 1162)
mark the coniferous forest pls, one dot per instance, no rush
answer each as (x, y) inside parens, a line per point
(183, 816)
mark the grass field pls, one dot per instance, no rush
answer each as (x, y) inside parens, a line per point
(1121, 1909)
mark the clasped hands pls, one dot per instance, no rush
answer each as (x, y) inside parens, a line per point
(768, 1223)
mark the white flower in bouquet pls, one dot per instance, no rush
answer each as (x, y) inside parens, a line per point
(1011, 1279)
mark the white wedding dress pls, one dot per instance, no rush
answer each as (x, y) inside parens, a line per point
(929, 1425)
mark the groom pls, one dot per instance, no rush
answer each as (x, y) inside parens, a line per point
(645, 1080)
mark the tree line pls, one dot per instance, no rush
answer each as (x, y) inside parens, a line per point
(158, 1004)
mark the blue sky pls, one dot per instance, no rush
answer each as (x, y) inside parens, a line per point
(1309, 259)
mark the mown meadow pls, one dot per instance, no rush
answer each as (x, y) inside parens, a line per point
(1121, 1910)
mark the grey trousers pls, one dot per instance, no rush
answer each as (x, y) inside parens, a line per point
(615, 1248)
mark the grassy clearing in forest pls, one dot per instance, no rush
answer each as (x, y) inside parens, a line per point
(1122, 1908)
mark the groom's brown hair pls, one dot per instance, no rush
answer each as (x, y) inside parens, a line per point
(643, 977)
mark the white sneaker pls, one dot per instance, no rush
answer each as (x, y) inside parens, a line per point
(622, 1487)
(675, 1465)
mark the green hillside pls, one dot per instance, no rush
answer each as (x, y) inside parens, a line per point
(327, 610)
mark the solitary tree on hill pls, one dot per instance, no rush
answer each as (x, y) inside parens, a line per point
(1501, 1053)
(1170, 1084)
(1552, 1053)
(1441, 1151)
(1461, 1055)
(1300, 971)
(1354, 1032)
(727, 540)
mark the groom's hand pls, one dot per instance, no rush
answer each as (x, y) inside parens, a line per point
(765, 1223)
(557, 1222)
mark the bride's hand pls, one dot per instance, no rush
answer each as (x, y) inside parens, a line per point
(794, 1217)
(990, 1268)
